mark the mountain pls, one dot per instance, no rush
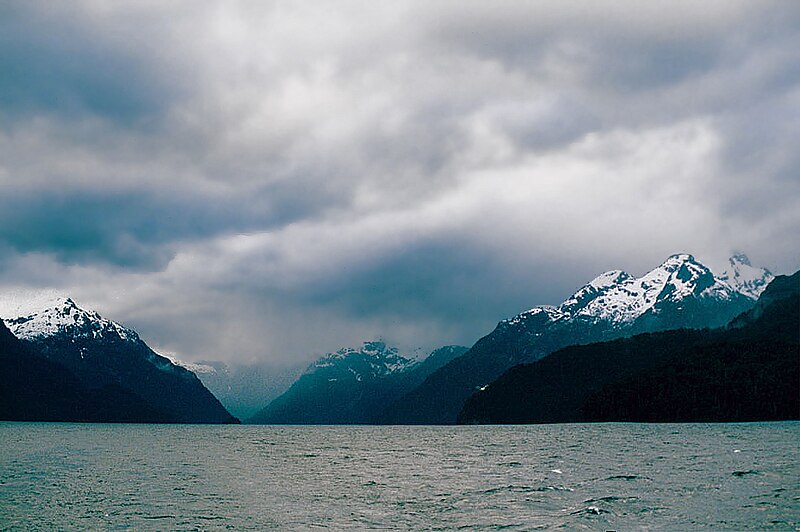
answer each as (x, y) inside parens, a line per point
(32, 388)
(679, 293)
(746, 371)
(746, 278)
(352, 386)
(102, 354)
(781, 290)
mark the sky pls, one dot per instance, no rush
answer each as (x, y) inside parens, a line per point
(268, 181)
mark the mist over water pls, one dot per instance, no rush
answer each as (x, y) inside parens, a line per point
(592, 476)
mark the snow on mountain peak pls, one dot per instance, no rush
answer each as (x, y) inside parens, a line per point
(617, 297)
(27, 302)
(676, 261)
(745, 278)
(374, 358)
(595, 289)
(44, 317)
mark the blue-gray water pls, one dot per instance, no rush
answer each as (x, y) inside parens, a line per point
(597, 476)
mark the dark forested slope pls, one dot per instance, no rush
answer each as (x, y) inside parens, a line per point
(33, 388)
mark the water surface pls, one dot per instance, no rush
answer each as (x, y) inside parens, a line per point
(592, 476)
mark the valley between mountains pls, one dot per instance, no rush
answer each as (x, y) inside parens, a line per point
(679, 343)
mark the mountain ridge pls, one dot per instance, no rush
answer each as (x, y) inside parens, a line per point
(680, 292)
(33, 388)
(745, 371)
(352, 385)
(102, 353)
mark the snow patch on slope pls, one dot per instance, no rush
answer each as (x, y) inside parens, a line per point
(196, 368)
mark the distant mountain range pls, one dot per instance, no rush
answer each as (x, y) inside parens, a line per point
(353, 386)
(69, 364)
(680, 293)
(746, 371)
(103, 361)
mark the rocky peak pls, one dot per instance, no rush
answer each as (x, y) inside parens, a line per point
(677, 261)
(372, 359)
(687, 277)
(594, 289)
(615, 297)
(61, 315)
(743, 277)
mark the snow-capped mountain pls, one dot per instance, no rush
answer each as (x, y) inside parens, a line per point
(679, 293)
(745, 278)
(63, 316)
(748, 370)
(371, 361)
(618, 299)
(34, 388)
(100, 352)
(353, 385)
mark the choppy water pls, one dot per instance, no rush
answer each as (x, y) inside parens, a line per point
(603, 476)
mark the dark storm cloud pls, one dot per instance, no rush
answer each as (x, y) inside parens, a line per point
(55, 61)
(137, 229)
(428, 280)
(270, 180)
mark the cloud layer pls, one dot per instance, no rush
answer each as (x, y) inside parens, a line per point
(268, 180)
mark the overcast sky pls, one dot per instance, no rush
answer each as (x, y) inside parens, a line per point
(274, 180)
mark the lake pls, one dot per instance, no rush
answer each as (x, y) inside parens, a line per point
(583, 476)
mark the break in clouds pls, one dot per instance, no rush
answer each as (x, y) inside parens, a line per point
(273, 180)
